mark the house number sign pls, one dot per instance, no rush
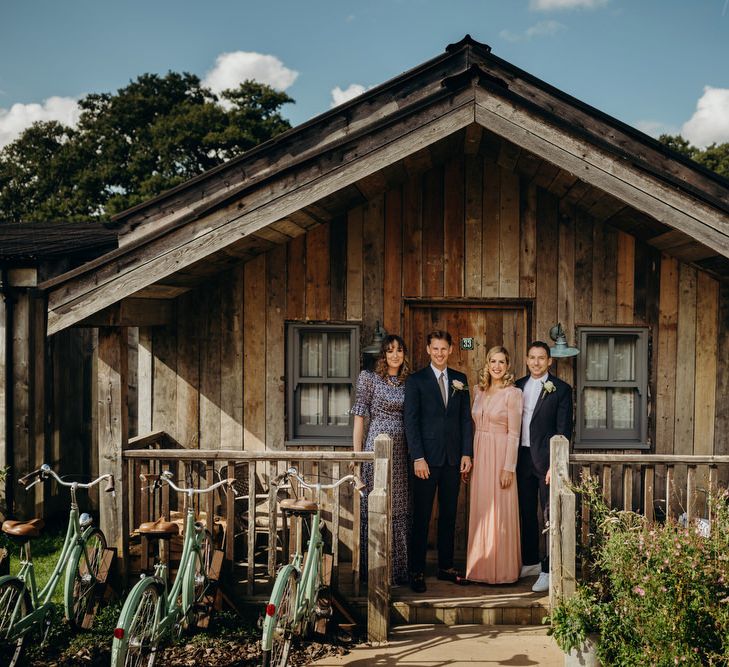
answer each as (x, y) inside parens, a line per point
(467, 343)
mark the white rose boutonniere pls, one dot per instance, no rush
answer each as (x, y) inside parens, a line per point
(457, 386)
(548, 388)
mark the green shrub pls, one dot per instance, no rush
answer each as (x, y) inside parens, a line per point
(658, 593)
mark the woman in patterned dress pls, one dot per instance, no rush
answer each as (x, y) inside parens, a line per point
(380, 397)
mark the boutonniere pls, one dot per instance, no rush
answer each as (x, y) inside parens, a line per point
(548, 388)
(457, 386)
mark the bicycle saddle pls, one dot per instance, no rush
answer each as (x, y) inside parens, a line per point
(300, 506)
(159, 527)
(24, 529)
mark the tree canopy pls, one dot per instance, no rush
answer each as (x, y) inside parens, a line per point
(714, 157)
(132, 145)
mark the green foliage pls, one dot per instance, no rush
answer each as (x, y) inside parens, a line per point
(659, 593)
(45, 549)
(132, 145)
(714, 157)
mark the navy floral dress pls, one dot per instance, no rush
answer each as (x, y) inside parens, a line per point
(382, 401)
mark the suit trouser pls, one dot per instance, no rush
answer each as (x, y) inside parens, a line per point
(446, 481)
(533, 489)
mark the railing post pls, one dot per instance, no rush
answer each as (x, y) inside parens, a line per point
(379, 540)
(562, 541)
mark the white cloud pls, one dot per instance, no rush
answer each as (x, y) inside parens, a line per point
(19, 117)
(710, 122)
(541, 29)
(232, 69)
(656, 128)
(340, 96)
(557, 5)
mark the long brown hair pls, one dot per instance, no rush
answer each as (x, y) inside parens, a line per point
(484, 377)
(381, 365)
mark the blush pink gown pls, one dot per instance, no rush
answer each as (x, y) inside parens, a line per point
(494, 546)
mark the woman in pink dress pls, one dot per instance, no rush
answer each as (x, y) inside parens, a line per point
(494, 548)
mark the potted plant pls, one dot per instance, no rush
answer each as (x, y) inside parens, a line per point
(658, 593)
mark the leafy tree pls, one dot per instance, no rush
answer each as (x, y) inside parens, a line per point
(714, 157)
(132, 145)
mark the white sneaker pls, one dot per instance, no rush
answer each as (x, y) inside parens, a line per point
(542, 584)
(530, 570)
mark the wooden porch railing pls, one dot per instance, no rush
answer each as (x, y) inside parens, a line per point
(255, 509)
(655, 485)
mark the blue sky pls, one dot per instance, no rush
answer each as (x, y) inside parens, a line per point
(650, 63)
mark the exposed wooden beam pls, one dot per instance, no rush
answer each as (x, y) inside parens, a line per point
(133, 312)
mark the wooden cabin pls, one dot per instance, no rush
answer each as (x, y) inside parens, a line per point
(464, 194)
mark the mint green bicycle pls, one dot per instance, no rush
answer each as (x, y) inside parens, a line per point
(83, 559)
(296, 601)
(152, 609)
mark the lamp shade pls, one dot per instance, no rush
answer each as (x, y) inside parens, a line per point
(561, 350)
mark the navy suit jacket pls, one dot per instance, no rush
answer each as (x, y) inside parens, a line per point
(441, 436)
(552, 416)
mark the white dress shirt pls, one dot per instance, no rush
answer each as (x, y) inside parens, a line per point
(532, 389)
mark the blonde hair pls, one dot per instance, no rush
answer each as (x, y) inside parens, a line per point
(484, 377)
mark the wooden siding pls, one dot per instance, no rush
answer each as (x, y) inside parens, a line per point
(459, 227)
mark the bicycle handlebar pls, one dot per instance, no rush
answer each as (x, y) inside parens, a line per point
(45, 471)
(166, 476)
(359, 485)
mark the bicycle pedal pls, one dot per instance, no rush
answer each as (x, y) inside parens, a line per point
(323, 610)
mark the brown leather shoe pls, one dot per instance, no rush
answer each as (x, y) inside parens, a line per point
(417, 582)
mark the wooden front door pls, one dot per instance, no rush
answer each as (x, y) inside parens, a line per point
(475, 328)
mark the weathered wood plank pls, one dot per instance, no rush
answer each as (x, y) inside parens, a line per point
(296, 279)
(566, 289)
(490, 248)
(254, 354)
(473, 225)
(112, 430)
(144, 381)
(454, 227)
(354, 263)
(275, 349)
(648, 497)
(509, 234)
(337, 269)
(392, 262)
(528, 240)
(707, 354)
(433, 232)
(231, 347)
(191, 330)
(164, 402)
(625, 297)
(721, 422)
(666, 355)
(412, 260)
(373, 266)
(685, 360)
(548, 244)
(318, 297)
(210, 367)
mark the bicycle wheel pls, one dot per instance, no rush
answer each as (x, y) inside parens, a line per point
(82, 575)
(198, 583)
(279, 629)
(14, 605)
(317, 604)
(135, 636)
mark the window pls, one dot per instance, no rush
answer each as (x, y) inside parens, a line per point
(322, 373)
(612, 376)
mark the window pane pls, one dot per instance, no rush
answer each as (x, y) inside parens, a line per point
(338, 405)
(596, 364)
(311, 404)
(338, 354)
(595, 408)
(311, 355)
(624, 363)
(623, 407)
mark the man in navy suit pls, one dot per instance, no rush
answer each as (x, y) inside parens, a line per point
(439, 434)
(547, 412)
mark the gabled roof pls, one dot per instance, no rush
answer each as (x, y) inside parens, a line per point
(245, 205)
